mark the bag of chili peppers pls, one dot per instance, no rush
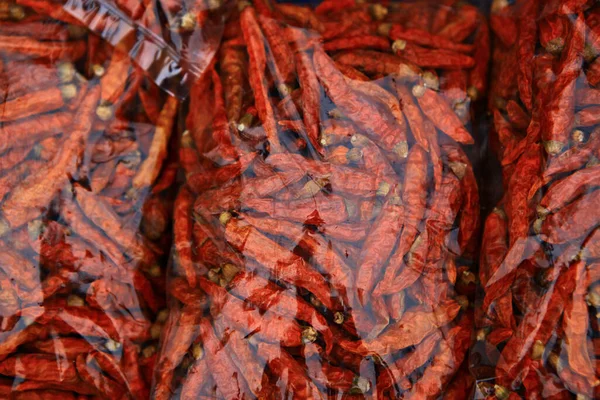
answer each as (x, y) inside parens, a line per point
(326, 234)
(85, 208)
(538, 324)
(172, 41)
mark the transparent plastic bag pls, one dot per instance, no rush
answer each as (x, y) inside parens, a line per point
(85, 204)
(537, 317)
(326, 235)
(173, 53)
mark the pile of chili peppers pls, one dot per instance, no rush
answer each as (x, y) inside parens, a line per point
(86, 194)
(538, 329)
(325, 235)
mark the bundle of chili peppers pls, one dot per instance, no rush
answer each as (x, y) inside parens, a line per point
(538, 328)
(326, 230)
(85, 207)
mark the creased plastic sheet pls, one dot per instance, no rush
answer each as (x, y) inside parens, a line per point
(538, 326)
(85, 203)
(174, 52)
(326, 235)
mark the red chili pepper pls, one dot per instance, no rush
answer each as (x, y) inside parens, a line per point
(373, 62)
(469, 220)
(267, 325)
(90, 373)
(445, 362)
(416, 324)
(431, 58)
(462, 25)
(278, 48)
(233, 64)
(521, 342)
(266, 295)
(560, 227)
(504, 25)
(318, 210)
(292, 269)
(478, 76)
(311, 97)
(179, 333)
(183, 234)
(151, 166)
(333, 377)
(575, 325)
(288, 371)
(40, 367)
(553, 32)
(258, 59)
(300, 15)
(197, 378)
(556, 127)
(526, 50)
(414, 196)
(388, 134)
(444, 118)
(36, 191)
(231, 383)
(424, 38)
(102, 215)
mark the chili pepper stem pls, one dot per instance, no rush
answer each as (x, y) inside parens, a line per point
(98, 70)
(224, 218)
(245, 122)
(105, 112)
(197, 352)
(378, 11)
(4, 227)
(68, 91)
(360, 385)
(431, 80)
(537, 350)
(16, 12)
(309, 335)
(553, 147)
(66, 72)
(473, 93)
(398, 45)
(188, 22)
(418, 90)
(384, 29)
(401, 149)
(578, 136)
(501, 392)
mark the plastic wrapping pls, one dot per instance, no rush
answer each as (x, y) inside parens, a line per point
(538, 326)
(326, 235)
(85, 204)
(173, 53)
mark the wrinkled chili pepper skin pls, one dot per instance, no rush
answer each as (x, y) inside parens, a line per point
(361, 111)
(419, 322)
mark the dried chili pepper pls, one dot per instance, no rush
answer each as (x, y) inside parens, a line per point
(438, 111)
(292, 269)
(413, 327)
(257, 290)
(36, 191)
(255, 43)
(269, 326)
(388, 134)
(374, 62)
(151, 166)
(288, 370)
(561, 227)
